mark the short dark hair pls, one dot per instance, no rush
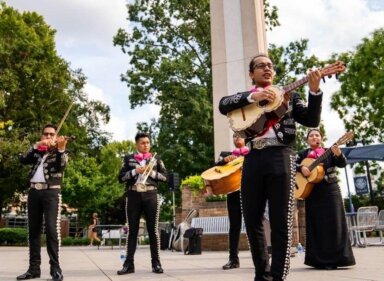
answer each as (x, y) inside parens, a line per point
(253, 63)
(141, 135)
(49, 126)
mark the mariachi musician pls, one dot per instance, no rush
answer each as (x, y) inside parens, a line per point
(233, 203)
(269, 168)
(48, 158)
(327, 239)
(141, 172)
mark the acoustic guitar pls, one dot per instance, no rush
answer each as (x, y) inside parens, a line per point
(304, 185)
(224, 179)
(252, 119)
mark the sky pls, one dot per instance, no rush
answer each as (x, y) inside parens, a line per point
(85, 29)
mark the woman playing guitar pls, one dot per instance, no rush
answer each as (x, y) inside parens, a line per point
(327, 245)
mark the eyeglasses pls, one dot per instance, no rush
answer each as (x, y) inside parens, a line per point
(263, 66)
(49, 134)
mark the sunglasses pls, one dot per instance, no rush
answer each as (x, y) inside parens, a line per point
(49, 134)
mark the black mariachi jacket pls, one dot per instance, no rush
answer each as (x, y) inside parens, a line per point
(53, 166)
(285, 129)
(220, 161)
(130, 164)
(330, 164)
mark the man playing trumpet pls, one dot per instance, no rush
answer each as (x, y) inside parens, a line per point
(141, 172)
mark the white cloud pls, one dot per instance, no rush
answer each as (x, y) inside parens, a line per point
(94, 93)
(330, 26)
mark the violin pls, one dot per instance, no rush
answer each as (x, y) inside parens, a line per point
(52, 146)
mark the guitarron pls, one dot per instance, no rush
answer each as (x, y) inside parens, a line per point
(224, 179)
(251, 120)
(178, 242)
(304, 185)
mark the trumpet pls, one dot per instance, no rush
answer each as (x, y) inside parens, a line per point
(141, 184)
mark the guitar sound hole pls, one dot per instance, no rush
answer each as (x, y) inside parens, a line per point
(263, 103)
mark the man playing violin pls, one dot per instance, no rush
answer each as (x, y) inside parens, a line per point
(142, 198)
(48, 158)
(269, 168)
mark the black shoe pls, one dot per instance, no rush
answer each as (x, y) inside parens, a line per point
(157, 269)
(57, 276)
(231, 264)
(28, 275)
(126, 269)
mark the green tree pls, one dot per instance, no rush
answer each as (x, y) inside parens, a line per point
(91, 183)
(359, 101)
(36, 87)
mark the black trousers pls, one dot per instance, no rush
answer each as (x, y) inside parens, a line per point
(146, 203)
(45, 203)
(268, 174)
(234, 214)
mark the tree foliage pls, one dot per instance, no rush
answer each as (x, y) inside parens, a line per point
(36, 87)
(360, 102)
(91, 183)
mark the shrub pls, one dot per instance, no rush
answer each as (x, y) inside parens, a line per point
(72, 241)
(216, 198)
(13, 236)
(194, 183)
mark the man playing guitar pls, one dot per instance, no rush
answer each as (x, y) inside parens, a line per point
(269, 168)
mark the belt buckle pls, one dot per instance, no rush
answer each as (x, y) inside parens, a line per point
(259, 144)
(39, 186)
(140, 187)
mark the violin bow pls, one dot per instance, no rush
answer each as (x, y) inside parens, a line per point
(64, 117)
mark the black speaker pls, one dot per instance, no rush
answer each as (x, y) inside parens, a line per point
(173, 181)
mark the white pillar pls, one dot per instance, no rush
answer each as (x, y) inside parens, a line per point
(238, 34)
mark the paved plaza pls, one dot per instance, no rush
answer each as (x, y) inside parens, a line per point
(90, 263)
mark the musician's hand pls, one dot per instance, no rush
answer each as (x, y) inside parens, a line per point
(46, 142)
(140, 170)
(61, 143)
(314, 77)
(336, 150)
(229, 158)
(305, 171)
(208, 189)
(266, 94)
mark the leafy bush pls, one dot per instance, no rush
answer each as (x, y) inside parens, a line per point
(216, 198)
(72, 241)
(194, 183)
(364, 200)
(13, 236)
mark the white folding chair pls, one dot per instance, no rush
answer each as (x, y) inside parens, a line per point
(380, 225)
(366, 222)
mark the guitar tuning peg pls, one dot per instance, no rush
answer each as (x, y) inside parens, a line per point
(337, 76)
(323, 79)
